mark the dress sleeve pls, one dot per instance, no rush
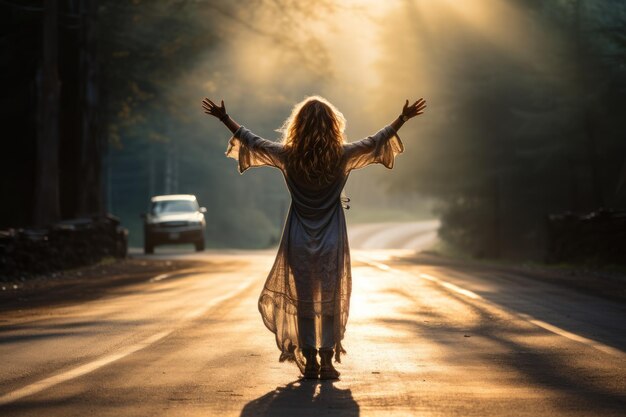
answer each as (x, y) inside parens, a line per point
(254, 151)
(380, 148)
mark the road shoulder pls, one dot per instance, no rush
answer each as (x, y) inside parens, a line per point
(87, 283)
(607, 284)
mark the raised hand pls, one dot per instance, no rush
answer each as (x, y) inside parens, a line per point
(414, 109)
(408, 112)
(220, 113)
(213, 109)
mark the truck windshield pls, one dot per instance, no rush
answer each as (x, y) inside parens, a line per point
(173, 206)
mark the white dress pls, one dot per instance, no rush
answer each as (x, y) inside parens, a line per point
(311, 274)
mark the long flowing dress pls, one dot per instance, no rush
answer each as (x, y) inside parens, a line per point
(311, 275)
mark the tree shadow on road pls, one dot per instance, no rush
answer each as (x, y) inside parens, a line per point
(304, 398)
(545, 366)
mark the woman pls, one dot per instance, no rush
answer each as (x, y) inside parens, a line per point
(305, 300)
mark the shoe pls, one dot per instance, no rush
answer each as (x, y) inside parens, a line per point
(312, 367)
(327, 370)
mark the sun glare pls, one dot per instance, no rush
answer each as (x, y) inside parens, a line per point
(499, 23)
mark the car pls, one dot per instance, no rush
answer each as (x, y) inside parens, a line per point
(174, 219)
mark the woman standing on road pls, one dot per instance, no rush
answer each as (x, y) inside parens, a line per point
(306, 297)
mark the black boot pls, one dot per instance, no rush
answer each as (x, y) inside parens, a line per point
(312, 368)
(327, 370)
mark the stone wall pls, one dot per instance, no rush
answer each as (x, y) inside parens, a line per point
(67, 244)
(595, 238)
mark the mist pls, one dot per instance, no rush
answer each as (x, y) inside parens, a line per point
(510, 86)
(260, 71)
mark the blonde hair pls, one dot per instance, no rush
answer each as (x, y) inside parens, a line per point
(313, 138)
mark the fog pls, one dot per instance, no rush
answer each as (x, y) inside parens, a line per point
(261, 72)
(508, 84)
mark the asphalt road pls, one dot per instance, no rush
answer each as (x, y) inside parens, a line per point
(422, 340)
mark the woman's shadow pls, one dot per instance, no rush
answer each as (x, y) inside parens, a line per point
(302, 398)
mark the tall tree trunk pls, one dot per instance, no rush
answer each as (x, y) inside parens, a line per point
(175, 169)
(590, 145)
(497, 219)
(90, 193)
(168, 170)
(47, 207)
(152, 190)
(594, 163)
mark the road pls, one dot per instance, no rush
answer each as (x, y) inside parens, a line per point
(423, 340)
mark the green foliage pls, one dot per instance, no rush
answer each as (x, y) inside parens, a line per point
(515, 135)
(158, 60)
(519, 125)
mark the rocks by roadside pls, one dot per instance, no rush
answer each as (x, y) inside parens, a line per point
(25, 253)
(598, 237)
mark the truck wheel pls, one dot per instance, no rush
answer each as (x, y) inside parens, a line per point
(148, 247)
(199, 245)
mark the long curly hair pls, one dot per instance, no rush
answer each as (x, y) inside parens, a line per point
(313, 138)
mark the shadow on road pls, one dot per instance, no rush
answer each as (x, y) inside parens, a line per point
(544, 366)
(304, 398)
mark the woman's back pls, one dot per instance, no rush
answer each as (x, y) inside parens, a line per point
(310, 280)
(309, 199)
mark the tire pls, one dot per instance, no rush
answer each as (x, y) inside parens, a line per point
(199, 245)
(148, 246)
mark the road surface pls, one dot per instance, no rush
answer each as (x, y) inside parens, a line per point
(422, 340)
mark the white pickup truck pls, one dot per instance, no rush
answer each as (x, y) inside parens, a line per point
(174, 219)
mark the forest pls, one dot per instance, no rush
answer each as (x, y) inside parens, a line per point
(526, 110)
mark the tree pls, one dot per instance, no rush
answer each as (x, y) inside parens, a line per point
(47, 209)
(519, 129)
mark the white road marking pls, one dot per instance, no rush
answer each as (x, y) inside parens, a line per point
(546, 326)
(81, 370)
(452, 287)
(159, 277)
(377, 264)
(572, 336)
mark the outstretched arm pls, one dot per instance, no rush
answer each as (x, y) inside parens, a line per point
(219, 112)
(408, 112)
(383, 146)
(244, 146)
